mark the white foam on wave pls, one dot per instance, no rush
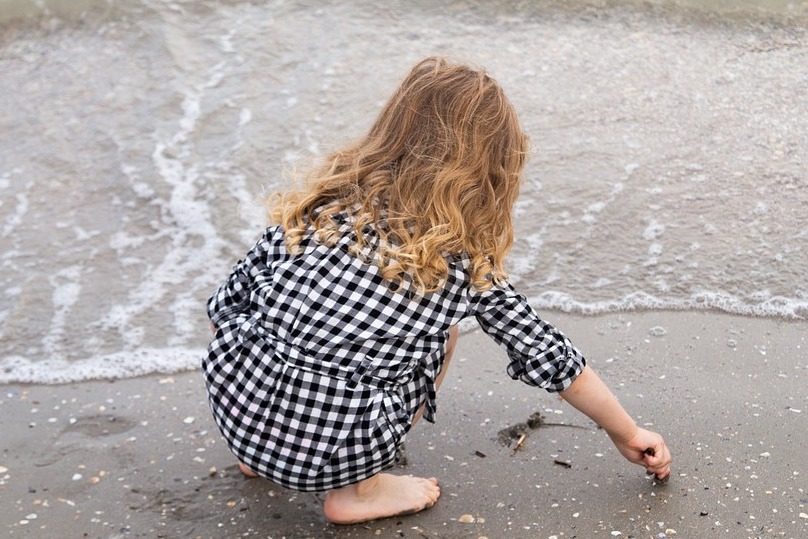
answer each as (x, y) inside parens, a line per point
(591, 212)
(187, 216)
(653, 230)
(771, 306)
(524, 265)
(602, 282)
(66, 290)
(244, 117)
(131, 363)
(125, 364)
(226, 42)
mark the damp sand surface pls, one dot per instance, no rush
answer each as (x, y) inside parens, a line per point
(142, 458)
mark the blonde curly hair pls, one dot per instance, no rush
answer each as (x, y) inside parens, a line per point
(437, 175)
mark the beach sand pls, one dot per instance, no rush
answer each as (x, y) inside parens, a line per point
(142, 458)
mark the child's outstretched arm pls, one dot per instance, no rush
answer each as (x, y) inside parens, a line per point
(590, 395)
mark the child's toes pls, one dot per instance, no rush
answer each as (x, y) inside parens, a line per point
(434, 494)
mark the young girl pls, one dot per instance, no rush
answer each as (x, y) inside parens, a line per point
(334, 333)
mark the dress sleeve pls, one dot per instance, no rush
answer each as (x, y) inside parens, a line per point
(233, 295)
(540, 355)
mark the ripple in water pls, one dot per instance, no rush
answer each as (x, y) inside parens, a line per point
(138, 140)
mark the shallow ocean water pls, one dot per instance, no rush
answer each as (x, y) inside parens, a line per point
(137, 139)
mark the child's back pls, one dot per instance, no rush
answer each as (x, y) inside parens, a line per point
(317, 366)
(333, 334)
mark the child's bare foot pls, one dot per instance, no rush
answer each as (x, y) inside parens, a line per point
(246, 471)
(382, 495)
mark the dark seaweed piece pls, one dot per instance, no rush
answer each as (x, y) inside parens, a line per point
(535, 420)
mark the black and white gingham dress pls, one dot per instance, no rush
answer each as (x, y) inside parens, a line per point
(317, 367)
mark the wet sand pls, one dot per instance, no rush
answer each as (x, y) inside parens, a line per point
(142, 458)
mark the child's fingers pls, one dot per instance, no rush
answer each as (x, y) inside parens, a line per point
(657, 460)
(661, 469)
(656, 457)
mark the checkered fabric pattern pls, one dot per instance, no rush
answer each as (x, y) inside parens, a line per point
(317, 367)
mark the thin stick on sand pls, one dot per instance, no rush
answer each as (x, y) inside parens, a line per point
(519, 442)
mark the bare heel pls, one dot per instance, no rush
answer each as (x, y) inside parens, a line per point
(246, 471)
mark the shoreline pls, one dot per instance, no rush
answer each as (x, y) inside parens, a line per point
(183, 359)
(141, 457)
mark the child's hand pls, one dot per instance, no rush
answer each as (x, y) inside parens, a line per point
(647, 449)
(590, 395)
(212, 328)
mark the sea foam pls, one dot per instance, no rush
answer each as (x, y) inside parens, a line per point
(775, 306)
(126, 364)
(128, 194)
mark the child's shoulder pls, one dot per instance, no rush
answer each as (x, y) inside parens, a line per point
(272, 234)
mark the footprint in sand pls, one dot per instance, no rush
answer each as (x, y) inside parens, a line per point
(97, 426)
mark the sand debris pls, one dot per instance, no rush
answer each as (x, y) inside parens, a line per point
(466, 519)
(520, 431)
(519, 442)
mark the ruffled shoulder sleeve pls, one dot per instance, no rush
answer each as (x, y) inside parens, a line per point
(233, 295)
(540, 355)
